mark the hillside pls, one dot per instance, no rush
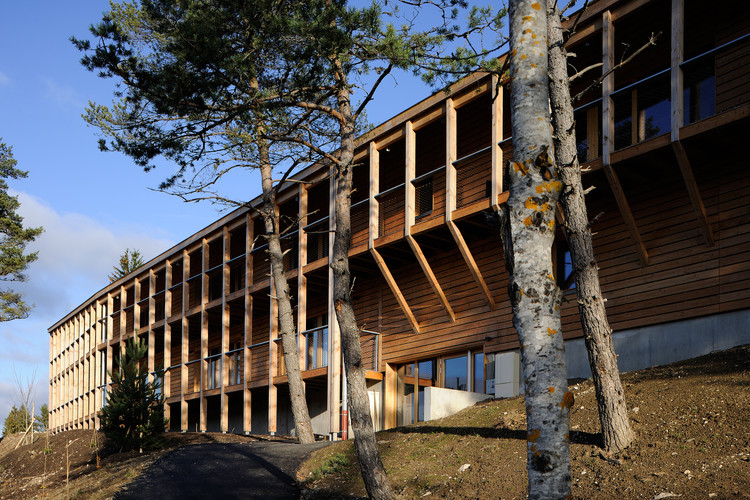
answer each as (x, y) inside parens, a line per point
(692, 421)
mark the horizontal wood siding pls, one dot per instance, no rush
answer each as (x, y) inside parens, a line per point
(733, 77)
(259, 363)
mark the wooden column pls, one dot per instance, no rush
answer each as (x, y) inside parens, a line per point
(374, 190)
(451, 148)
(204, 335)
(185, 342)
(301, 278)
(273, 361)
(608, 133)
(410, 174)
(334, 335)
(224, 397)
(677, 119)
(167, 332)
(247, 327)
(496, 90)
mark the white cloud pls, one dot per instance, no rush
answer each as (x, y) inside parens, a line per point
(4, 80)
(64, 95)
(76, 253)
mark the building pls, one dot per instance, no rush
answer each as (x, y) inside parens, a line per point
(662, 143)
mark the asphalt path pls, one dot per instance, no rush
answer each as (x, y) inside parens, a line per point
(223, 470)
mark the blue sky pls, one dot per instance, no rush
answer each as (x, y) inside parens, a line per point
(92, 205)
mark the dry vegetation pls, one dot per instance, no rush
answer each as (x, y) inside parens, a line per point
(692, 420)
(39, 470)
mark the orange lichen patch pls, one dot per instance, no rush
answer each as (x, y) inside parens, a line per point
(535, 6)
(532, 205)
(532, 436)
(551, 331)
(512, 52)
(526, 18)
(523, 56)
(567, 401)
(527, 221)
(534, 66)
(527, 30)
(551, 224)
(549, 187)
(551, 389)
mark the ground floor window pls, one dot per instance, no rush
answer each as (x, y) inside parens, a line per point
(468, 371)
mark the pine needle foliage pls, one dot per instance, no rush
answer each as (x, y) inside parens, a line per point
(133, 418)
(13, 240)
(129, 262)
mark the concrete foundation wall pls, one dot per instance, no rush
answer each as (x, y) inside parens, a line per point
(640, 348)
(440, 402)
(663, 344)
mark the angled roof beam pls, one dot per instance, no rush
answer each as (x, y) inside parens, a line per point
(471, 263)
(395, 289)
(430, 276)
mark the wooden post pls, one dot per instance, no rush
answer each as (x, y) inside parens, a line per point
(185, 342)
(301, 278)
(374, 213)
(410, 173)
(608, 132)
(334, 334)
(224, 397)
(273, 362)
(496, 138)
(248, 328)
(451, 148)
(204, 335)
(676, 82)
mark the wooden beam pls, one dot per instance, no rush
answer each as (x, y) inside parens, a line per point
(430, 276)
(395, 289)
(627, 215)
(496, 136)
(451, 147)
(374, 190)
(471, 263)
(390, 403)
(693, 192)
(335, 368)
(608, 133)
(410, 173)
(676, 83)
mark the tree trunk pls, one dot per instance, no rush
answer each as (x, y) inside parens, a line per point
(597, 334)
(365, 442)
(530, 228)
(302, 422)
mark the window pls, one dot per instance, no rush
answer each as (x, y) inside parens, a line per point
(213, 377)
(564, 266)
(456, 370)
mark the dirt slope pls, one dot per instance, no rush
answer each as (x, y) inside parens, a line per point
(692, 421)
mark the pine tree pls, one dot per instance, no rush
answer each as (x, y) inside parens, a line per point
(133, 417)
(13, 240)
(16, 421)
(129, 262)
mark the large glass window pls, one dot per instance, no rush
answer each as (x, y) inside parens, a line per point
(456, 370)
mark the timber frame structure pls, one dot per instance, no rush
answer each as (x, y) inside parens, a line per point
(661, 140)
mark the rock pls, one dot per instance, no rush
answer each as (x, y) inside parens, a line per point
(464, 468)
(666, 494)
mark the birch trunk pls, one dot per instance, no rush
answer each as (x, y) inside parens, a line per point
(530, 227)
(302, 422)
(597, 334)
(365, 442)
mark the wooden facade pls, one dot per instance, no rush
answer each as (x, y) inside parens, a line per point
(661, 142)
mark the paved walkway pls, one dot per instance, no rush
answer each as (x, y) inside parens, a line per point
(223, 470)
